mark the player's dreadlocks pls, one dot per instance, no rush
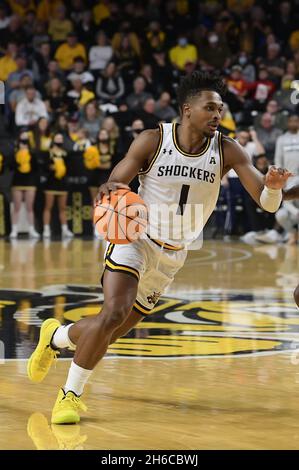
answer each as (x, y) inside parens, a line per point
(192, 85)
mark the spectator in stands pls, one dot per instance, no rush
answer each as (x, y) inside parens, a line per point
(30, 109)
(24, 184)
(215, 55)
(101, 11)
(227, 124)
(132, 39)
(136, 99)
(183, 52)
(101, 53)
(110, 85)
(55, 98)
(260, 221)
(280, 118)
(287, 147)
(249, 140)
(46, 9)
(114, 133)
(163, 109)
(68, 51)
(73, 95)
(41, 60)
(268, 134)
(79, 72)
(155, 36)
(248, 69)
(15, 31)
(19, 93)
(13, 80)
(77, 11)
(86, 29)
(4, 20)
(91, 119)
(128, 60)
(275, 63)
(235, 193)
(289, 75)
(147, 114)
(150, 85)
(60, 26)
(40, 35)
(8, 63)
(262, 89)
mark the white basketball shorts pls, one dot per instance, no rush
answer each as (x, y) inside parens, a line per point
(151, 263)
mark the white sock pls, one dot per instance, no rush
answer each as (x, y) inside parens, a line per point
(14, 228)
(64, 227)
(77, 379)
(46, 228)
(61, 338)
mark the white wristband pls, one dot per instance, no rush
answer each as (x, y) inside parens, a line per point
(271, 199)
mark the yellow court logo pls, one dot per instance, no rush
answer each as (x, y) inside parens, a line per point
(187, 325)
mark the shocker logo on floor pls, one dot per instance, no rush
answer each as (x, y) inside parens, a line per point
(198, 326)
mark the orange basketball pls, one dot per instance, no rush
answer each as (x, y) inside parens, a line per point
(121, 220)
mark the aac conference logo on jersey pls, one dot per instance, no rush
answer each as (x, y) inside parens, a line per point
(200, 325)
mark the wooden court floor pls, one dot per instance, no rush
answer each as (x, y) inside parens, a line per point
(215, 367)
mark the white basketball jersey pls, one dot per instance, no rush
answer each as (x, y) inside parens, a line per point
(181, 189)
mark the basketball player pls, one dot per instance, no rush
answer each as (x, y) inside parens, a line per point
(288, 194)
(180, 164)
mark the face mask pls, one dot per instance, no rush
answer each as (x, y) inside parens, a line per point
(242, 60)
(137, 131)
(58, 144)
(213, 39)
(183, 42)
(104, 141)
(24, 141)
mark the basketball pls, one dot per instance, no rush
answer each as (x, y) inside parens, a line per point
(122, 219)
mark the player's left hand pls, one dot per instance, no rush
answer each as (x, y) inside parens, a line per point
(276, 178)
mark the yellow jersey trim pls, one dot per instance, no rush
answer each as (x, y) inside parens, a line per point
(176, 144)
(143, 172)
(120, 267)
(165, 245)
(141, 309)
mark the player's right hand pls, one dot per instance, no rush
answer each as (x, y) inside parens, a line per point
(106, 188)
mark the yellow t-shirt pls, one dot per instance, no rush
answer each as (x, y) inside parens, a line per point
(46, 9)
(65, 55)
(180, 56)
(294, 40)
(100, 12)
(59, 30)
(7, 66)
(19, 9)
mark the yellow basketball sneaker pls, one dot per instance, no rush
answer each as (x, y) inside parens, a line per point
(67, 407)
(43, 356)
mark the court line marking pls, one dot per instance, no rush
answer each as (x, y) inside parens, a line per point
(175, 358)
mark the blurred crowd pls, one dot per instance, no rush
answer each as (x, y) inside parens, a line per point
(86, 77)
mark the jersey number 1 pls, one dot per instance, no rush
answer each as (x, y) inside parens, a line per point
(183, 199)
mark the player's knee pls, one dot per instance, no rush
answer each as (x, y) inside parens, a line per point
(115, 315)
(296, 295)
